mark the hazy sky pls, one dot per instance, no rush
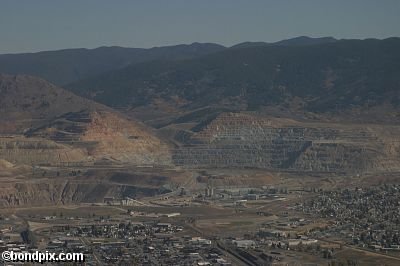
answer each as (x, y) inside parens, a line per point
(35, 25)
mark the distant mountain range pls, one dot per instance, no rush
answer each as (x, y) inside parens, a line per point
(305, 74)
(318, 78)
(70, 65)
(298, 41)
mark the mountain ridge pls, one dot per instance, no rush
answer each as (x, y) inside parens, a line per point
(67, 65)
(301, 40)
(322, 78)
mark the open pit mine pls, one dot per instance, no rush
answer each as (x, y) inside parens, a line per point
(61, 148)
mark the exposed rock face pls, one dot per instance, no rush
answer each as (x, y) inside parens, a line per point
(5, 165)
(65, 192)
(35, 151)
(44, 124)
(242, 140)
(106, 135)
(124, 141)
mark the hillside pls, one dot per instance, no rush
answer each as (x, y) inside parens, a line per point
(66, 66)
(248, 140)
(26, 97)
(297, 41)
(324, 78)
(44, 124)
(69, 65)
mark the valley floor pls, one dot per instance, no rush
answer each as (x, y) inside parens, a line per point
(242, 217)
